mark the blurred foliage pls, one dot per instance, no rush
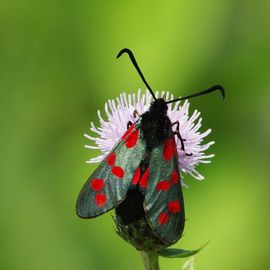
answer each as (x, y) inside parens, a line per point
(58, 66)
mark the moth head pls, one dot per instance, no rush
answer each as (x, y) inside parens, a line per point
(159, 107)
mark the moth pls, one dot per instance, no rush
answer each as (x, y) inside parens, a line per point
(140, 176)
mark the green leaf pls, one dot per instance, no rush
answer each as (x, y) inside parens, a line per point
(179, 253)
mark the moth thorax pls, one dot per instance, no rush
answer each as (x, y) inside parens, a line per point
(158, 107)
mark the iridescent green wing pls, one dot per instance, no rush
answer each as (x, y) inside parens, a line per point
(164, 203)
(108, 184)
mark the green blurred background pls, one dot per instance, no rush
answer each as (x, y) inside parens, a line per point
(58, 67)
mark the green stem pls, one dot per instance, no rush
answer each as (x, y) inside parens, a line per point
(150, 260)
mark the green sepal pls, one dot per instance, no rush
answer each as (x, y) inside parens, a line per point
(179, 253)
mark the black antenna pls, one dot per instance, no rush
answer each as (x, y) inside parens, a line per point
(133, 60)
(209, 90)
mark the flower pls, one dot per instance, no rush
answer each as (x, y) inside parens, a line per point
(119, 113)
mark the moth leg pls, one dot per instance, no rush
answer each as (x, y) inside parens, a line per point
(177, 133)
(135, 113)
(129, 124)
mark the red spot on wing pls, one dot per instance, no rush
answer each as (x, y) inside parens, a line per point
(100, 199)
(144, 180)
(128, 132)
(111, 159)
(163, 218)
(118, 171)
(174, 206)
(97, 184)
(163, 185)
(132, 139)
(168, 149)
(136, 176)
(174, 177)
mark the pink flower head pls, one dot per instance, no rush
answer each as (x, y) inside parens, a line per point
(120, 112)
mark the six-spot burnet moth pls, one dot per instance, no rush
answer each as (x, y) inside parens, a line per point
(140, 176)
